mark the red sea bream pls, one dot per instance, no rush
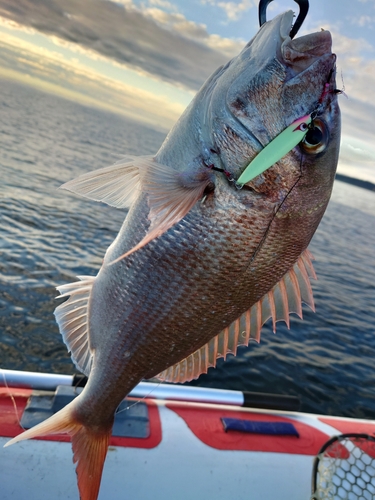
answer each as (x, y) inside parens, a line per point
(199, 264)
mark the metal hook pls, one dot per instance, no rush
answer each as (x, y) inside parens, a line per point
(303, 10)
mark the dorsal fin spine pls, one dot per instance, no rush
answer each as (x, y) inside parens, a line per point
(307, 257)
(213, 351)
(233, 340)
(284, 312)
(197, 361)
(225, 343)
(176, 371)
(307, 296)
(183, 368)
(72, 292)
(247, 328)
(271, 302)
(297, 293)
(205, 358)
(258, 309)
(189, 367)
(237, 335)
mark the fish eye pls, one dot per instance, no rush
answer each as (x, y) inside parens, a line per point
(317, 138)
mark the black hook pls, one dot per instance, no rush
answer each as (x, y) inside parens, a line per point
(303, 10)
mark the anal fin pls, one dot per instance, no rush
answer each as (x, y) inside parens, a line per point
(286, 297)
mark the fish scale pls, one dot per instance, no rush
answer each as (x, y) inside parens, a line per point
(194, 281)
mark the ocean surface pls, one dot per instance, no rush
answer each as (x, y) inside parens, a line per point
(49, 236)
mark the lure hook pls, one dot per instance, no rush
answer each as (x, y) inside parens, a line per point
(303, 10)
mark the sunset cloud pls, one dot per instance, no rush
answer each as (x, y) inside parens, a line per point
(49, 70)
(163, 44)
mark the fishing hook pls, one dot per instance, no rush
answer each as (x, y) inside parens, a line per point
(303, 10)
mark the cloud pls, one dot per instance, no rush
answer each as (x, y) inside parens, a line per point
(196, 32)
(163, 44)
(233, 10)
(357, 158)
(50, 71)
(177, 22)
(357, 153)
(163, 3)
(356, 64)
(355, 68)
(363, 21)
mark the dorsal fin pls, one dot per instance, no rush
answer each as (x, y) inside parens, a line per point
(284, 298)
(71, 317)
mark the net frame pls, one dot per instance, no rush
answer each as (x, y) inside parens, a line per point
(331, 452)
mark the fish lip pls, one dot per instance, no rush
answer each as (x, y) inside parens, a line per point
(296, 54)
(318, 43)
(301, 52)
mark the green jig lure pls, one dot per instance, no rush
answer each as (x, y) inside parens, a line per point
(276, 149)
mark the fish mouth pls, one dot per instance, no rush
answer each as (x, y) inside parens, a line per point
(300, 53)
(296, 55)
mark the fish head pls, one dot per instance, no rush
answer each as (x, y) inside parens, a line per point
(271, 83)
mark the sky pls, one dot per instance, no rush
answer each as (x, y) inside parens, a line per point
(146, 59)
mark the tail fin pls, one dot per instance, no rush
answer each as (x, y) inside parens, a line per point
(89, 447)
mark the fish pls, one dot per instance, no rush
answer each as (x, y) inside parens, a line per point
(202, 261)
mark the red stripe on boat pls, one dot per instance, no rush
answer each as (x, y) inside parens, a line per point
(207, 426)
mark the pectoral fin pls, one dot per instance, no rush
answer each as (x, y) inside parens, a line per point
(171, 195)
(117, 185)
(285, 297)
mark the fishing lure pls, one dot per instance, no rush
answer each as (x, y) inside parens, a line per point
(276, 149)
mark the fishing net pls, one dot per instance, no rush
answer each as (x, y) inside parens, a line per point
(345, 469)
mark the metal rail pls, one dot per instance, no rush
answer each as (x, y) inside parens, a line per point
(49, 382)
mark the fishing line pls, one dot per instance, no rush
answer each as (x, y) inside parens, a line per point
(261, 243)
(341, 91)
(12, 398)
(139, 400)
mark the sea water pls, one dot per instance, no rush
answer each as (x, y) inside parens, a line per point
(49, 236)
